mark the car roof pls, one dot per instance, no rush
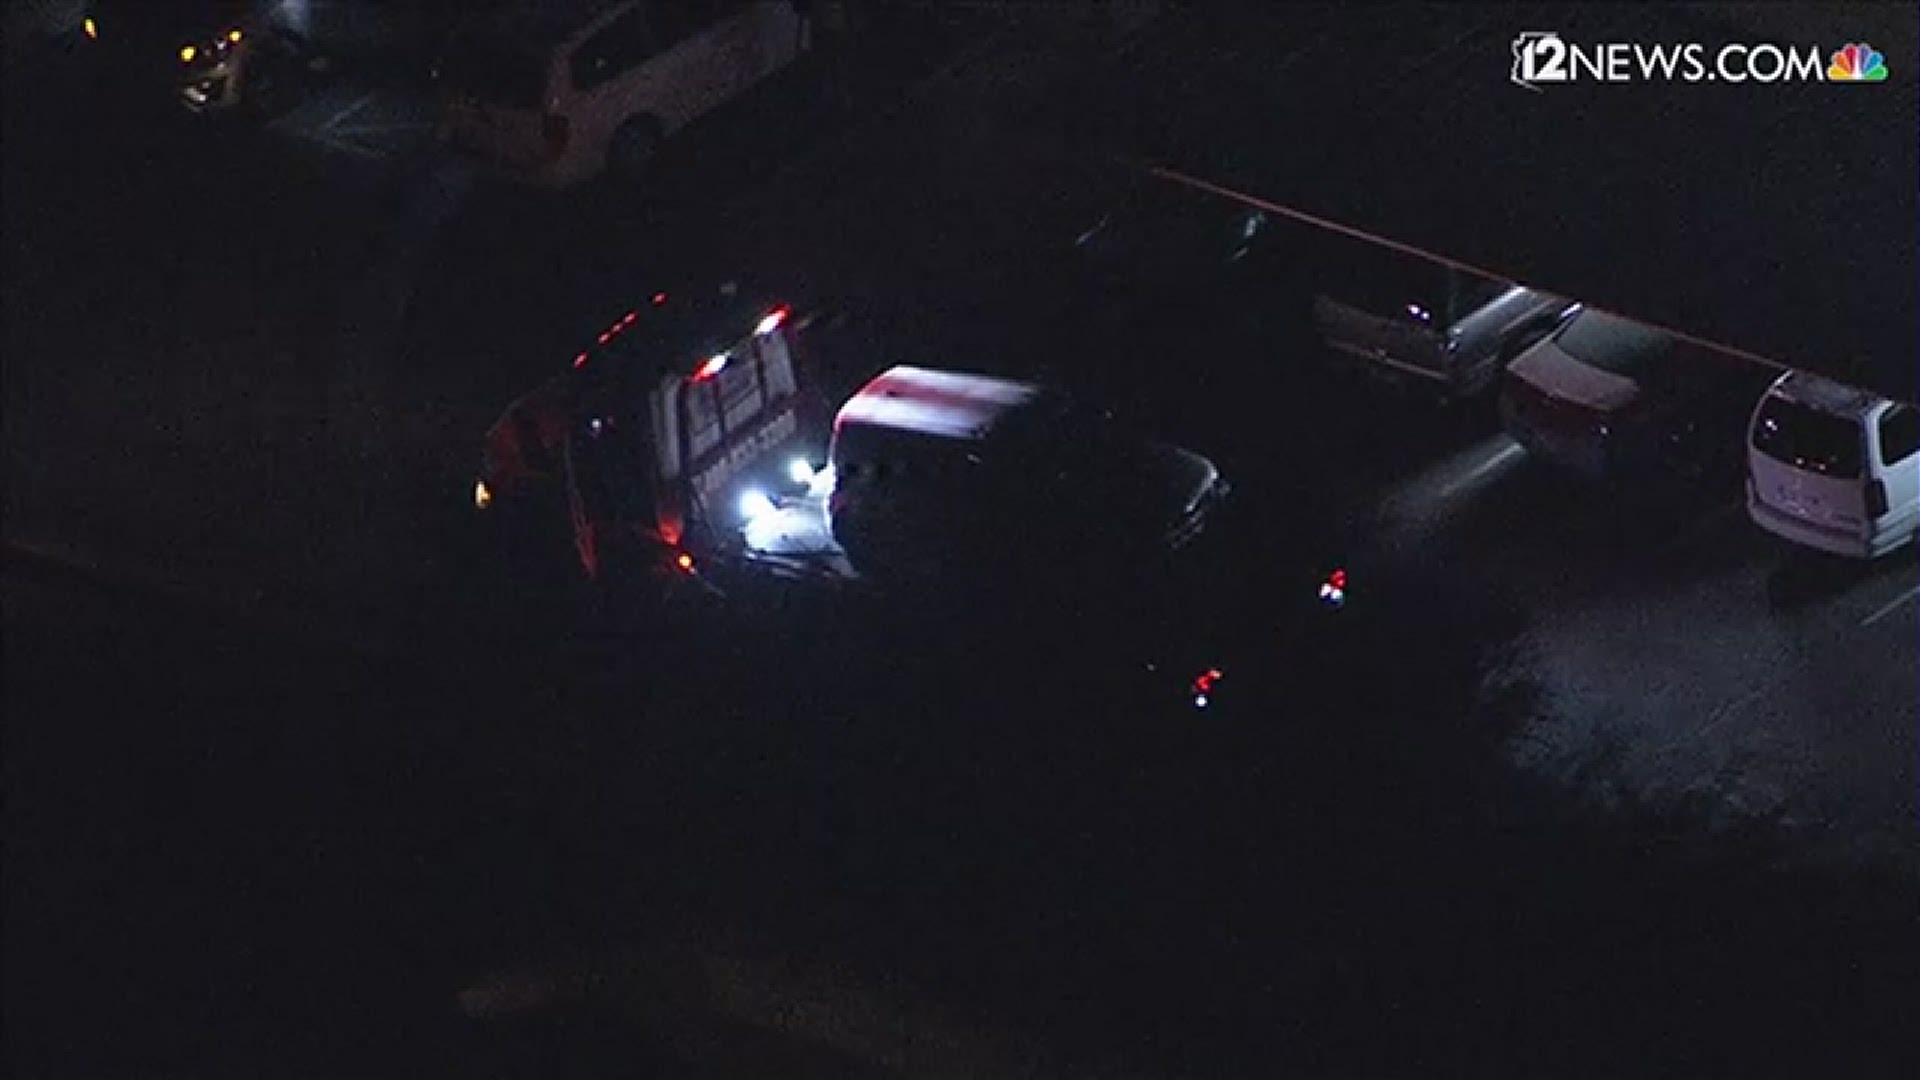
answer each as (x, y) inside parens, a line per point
(1827, 395)
(944, 404)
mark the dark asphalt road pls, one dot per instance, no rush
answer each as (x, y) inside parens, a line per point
(324, 809)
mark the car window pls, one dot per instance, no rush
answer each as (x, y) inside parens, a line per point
(1899, 434)
(677, 20)
(1471, 292)
(1613, 344)
(619, 47)
(1807, 438)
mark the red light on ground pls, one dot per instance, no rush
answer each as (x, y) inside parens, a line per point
(606, 336)
(711, 368)
(580, 361)
(1337, 579)
(630, 316)
(659, 299)
(1203, 683)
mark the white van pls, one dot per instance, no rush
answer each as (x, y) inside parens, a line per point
(556, 93)
(938, 470)
(1834, 467)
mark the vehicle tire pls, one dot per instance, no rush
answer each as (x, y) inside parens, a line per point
(634, 148)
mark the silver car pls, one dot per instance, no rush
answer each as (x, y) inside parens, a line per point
(1427, 323)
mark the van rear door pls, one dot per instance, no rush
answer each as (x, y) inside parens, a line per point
(1809, 463)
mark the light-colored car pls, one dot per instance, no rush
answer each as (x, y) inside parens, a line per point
(557, 93)
(1833, 467)
(1424, 323)
(1409, 321)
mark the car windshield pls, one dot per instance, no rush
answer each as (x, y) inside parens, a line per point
(495, 72)
(1472, 292)
(1613, 344)
(1806, 438)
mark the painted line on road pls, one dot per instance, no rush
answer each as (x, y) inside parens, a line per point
(1891, 606)
(359, 130)
(1494, 461)
(350, 109)
(1720, 716)
(349, 147)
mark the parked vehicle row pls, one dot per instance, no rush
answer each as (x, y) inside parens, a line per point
(1827, 466)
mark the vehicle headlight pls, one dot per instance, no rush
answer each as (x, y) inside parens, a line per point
(755, 504)
(482, 495)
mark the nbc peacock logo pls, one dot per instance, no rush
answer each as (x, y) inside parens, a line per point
(1859, 62)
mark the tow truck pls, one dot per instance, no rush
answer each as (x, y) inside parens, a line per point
(675, 428)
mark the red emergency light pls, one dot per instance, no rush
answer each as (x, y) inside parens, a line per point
(772, 320)
(712, 367)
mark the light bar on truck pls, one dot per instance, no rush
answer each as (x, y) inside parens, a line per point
(772, 320)
(714, 365)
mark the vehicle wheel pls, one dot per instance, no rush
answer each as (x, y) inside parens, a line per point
(633, 149)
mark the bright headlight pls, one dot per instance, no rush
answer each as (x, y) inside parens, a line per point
(755, 504)
(482, 495)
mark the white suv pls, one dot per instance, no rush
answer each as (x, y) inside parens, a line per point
(1833, 467)
(561, 92)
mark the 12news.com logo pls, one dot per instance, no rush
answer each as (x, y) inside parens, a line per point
(1543, 57)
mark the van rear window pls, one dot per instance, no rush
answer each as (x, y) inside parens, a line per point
(1806, 438)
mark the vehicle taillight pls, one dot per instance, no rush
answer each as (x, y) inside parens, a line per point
(554, 131)
(1876, 499)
